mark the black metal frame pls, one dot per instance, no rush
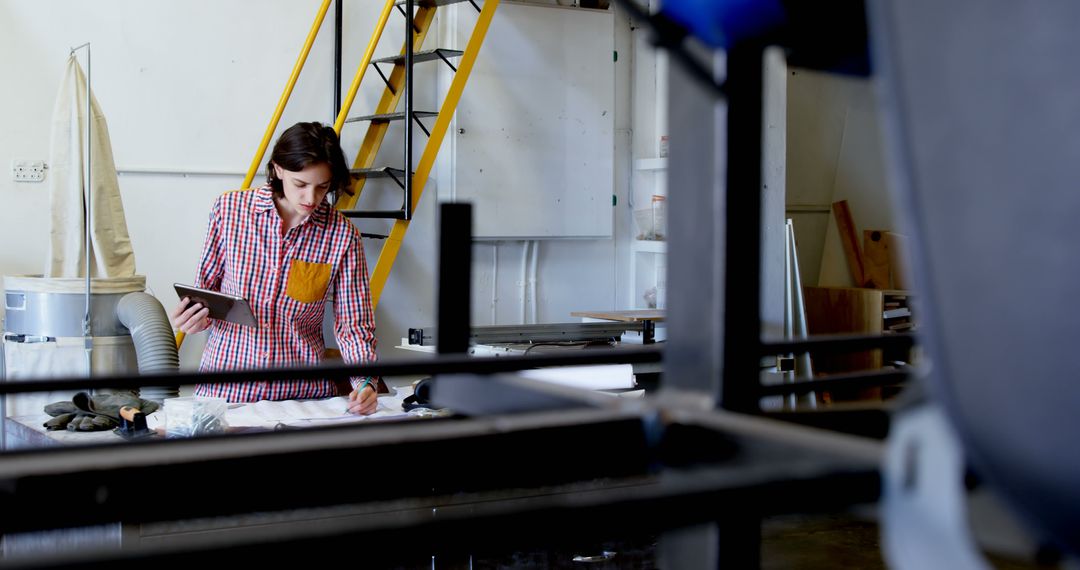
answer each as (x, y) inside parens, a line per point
(443, 364)
(726, 464)
(410, 35)
(336, 90)
(742, 288)
(455, 274)
(552, 332)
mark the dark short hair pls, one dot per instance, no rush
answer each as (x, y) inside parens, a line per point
(304, 144)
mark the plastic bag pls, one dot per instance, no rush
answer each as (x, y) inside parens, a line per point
(195, 416)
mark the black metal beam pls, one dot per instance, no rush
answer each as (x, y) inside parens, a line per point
(441, 364)
(410, 35)
(837, 343)
(562, 522)
(853, 381)
(861, 420)
(742, 242)
(337, 58)
(455, 278)
(295, 469)
(714, 453)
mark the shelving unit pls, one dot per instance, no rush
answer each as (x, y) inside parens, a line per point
(651, 163)
(648, 258)
(656, 264)
(847, 310)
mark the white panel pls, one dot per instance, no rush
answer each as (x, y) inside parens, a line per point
(534, 139)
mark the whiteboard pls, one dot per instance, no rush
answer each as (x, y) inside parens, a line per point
(533, 144)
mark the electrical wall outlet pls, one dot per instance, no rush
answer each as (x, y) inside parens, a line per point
(23, 170)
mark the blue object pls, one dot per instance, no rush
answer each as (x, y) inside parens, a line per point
(722, 23)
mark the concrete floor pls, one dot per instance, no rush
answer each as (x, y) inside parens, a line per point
(819, 542)
(791, 542)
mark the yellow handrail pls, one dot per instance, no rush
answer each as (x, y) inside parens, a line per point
(288, 92)
(364, 63)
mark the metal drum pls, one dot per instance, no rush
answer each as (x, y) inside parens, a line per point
(43, 333)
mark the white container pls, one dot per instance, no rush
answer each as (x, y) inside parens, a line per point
(652, 223)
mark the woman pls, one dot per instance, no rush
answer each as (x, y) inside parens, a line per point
(286, 249)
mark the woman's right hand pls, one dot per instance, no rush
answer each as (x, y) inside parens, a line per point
(190, 320)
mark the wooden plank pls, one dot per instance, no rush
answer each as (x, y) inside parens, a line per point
(899, 260)
(845, 224)
(624, 316)
(876, 259)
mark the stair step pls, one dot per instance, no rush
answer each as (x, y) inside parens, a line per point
(430, 3)
(387, 214)
(382, 172)
(422, 56)
(387, 117)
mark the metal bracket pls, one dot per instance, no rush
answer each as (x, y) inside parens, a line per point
(439, 53)
(416, 30)
(389, 87)
(399, 181)
(421, 125)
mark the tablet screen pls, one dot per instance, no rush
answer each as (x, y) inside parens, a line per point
(222, 306)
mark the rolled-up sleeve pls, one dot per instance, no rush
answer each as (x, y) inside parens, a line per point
(354, 317)
(212, 262)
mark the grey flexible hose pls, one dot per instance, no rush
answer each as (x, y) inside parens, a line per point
(155, 345)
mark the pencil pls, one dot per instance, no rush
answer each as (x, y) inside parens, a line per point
(360, 389)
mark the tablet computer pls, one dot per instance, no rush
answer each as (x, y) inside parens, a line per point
(222, 306)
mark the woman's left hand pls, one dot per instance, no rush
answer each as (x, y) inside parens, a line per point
(365, 402)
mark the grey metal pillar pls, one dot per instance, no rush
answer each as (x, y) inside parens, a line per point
(694, 352)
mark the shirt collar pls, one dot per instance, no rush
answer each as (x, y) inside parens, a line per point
(264, 199)
(264, 202)
(321, 214)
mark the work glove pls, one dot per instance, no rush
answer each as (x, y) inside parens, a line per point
(97, 413)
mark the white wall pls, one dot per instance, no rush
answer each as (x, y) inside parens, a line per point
(190, 86)
(834, 152)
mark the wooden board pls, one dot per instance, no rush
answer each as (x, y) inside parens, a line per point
(876, 259)
(844, 310)
(899, 260)
(845, 224)
(624, 316)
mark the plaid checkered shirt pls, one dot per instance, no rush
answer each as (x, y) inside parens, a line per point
(287, 280)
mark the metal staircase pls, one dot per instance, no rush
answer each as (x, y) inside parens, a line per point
(418, 15)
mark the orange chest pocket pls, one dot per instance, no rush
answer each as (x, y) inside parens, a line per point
(307, 281)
